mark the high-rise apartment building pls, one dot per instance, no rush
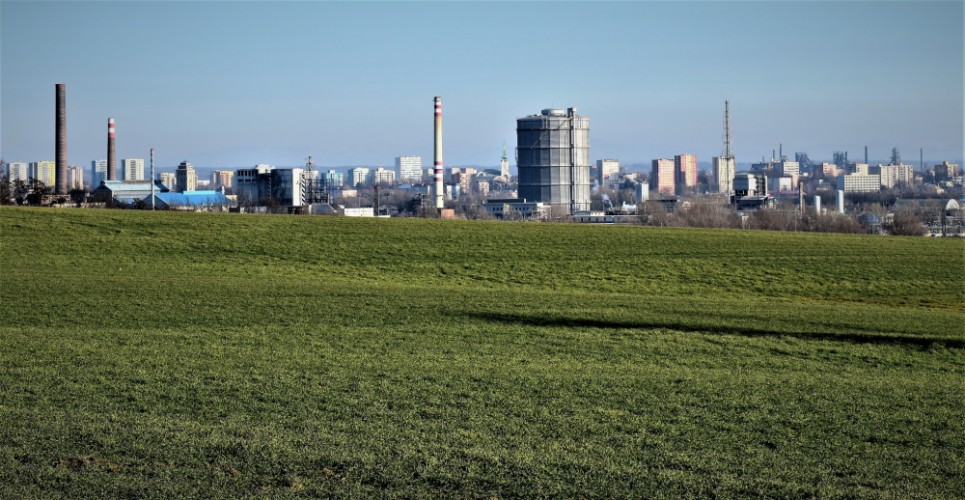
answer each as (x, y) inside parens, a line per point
(383, 176)
(409, 168)
(685, 166)
(663, 176)
(18, 171)
(44, 171)
(75, 178)
(723, 170)
(608, 170)
(187, 178)
(359, 176)
(133, 169)
(859, 183)
(222, 179)
(98, 172)
(944, 171)
(168, 179)
(892, 175)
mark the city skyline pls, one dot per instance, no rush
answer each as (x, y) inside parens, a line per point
(351, 84)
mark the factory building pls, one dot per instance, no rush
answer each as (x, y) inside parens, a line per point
(553, 151)
(266, 185)
(124, 192)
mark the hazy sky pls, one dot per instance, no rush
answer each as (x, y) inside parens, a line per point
(233, 84)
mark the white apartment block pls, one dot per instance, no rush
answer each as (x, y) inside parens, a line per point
(383, 176)
(723, 174)
(859, 183)
(133, 169)
(359, 175)
(409, 168)
(18, 171)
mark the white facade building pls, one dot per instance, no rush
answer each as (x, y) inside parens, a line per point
(133, 169)
(409, 168)
(98, 172)
(724, 174)
(18, 171)
(359, 175)
(859, 183)
(383, 176)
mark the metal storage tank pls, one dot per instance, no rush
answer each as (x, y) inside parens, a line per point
(553, 158)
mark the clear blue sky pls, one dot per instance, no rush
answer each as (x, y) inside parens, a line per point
(233, 84)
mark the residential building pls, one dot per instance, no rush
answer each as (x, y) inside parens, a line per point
(45, 172)
(222, 179)
(133, 169)
(168, 179)
(98, 172)
(685, 167)
(894, 174)
(20, 171)
(383, 176)
(723, 170)
(187, 178)
(663, 176)
(608, 171)
(359, 176)
(943, 172)
(409, 168)
(830, 170)
(75, 178)
(785, 168)
(858, 168)
(859, 183)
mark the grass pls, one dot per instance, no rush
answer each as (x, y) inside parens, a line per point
(171, 355)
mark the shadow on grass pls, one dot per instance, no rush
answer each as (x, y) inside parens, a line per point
(855, 338)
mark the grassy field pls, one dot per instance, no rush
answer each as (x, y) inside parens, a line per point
(172, 355)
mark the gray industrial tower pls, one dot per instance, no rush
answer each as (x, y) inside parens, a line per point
(553, 160)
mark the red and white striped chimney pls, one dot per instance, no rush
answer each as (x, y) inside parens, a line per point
(437, 157)
(111, 161)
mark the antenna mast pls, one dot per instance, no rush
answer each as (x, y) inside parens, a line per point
(728, 152)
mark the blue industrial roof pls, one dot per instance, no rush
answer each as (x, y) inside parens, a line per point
(192, 199)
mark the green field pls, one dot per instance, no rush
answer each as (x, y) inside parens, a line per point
(172, 355)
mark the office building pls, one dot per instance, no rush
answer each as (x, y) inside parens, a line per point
(663, 175)
(409, 168)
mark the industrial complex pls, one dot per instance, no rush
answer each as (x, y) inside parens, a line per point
(555, 180)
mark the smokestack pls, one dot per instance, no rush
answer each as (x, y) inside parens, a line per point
(437, 154)
(111, 162)
(60, 144)
(866, 155)
(152, 178)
